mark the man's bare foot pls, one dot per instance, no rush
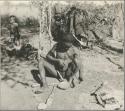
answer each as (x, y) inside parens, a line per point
(74, 82)
(41, 89)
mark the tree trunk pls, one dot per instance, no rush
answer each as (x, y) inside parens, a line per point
(118, 25)
(50, 18)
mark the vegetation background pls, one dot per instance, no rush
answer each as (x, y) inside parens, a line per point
(105, 62)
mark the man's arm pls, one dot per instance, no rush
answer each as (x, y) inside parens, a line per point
(51, 56)
(76, 56)
(76, 59)
(9, 29)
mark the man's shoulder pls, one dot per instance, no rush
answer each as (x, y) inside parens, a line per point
(74, 49)
(55, 45)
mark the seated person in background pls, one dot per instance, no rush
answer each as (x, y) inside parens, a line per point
(62, 58)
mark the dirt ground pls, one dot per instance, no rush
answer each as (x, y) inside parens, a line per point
(17, 93)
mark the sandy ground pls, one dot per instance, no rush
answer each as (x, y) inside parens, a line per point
(17, 95)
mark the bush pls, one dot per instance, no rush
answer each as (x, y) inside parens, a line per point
(100, 18)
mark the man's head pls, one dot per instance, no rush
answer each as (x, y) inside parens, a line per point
(12, 19)
(67, 40)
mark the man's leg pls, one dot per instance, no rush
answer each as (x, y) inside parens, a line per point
(44, 67)
(81, 71)
(17, 40)
(72, 72)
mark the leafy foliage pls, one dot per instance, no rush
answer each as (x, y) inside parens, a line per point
(100, 18)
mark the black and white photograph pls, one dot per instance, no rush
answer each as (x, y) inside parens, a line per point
(62, 55)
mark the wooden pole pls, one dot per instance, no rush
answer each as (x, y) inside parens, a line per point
(40, 29)
(50, 18)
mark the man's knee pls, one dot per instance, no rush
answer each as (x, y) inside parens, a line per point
(41, 63)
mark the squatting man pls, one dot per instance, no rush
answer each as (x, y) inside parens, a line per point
(62, 58)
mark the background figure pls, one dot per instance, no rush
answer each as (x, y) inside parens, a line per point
(14, 31)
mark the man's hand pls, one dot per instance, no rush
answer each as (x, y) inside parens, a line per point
(63, 64)
(60, 62)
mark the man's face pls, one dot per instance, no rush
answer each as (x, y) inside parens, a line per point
(12, 20)
(67, 45)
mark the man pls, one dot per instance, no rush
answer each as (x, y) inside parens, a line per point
(14, 31)
(62, 58)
